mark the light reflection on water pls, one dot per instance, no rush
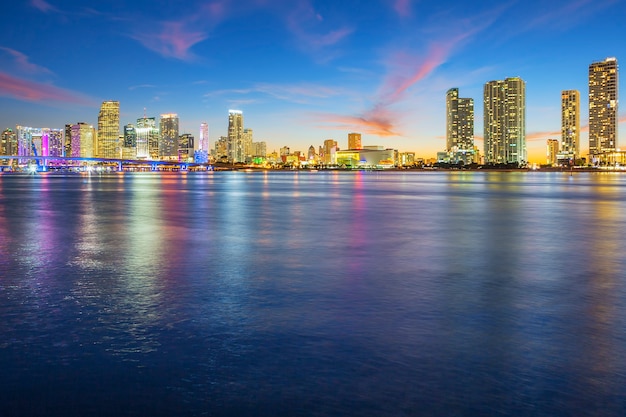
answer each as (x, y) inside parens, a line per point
(329, 293)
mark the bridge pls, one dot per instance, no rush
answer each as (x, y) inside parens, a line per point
(44, 163)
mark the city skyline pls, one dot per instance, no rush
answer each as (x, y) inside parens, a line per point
(304, 72)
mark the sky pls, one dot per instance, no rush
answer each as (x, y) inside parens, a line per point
(303, 71)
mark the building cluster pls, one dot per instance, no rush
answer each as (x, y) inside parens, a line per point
(504, 118)
(504, 123)
(148, 139)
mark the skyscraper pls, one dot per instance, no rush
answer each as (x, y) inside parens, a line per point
(185, 147)
(354, 141)
(109, 130)
(8, 143)
(570, 124)
(82, 140)
(505, 121)
(603, 106)
(147, 138)
(459, 121)
(235, 136)
(203, 144)
(168, 144)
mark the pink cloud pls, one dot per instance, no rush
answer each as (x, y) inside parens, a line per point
(43, 6)
(23, 62)
(402, 7)
(173, 40)
(37, 92)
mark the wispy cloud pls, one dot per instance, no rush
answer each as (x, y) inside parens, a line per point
(23, 63)
(402, 7)
(294, 93)
(25, 90)
(172, 40)
(575, 11)
(43, 6)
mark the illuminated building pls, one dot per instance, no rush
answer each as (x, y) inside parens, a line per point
(82, 140)
(311, 156)
(55, 142)
(552, 152)
(247, 144)
(236, 150)
(185, 147)
(203, 144)
(459, 121)
(8, 143)
(330, 151)
(406, 158)
(147, 138)
(354, 141)
(130, 136)
(370, 157)
(570, 123)
(109, 130)
(603, 106)
(505, 121)
(221, 149)
(168, 142)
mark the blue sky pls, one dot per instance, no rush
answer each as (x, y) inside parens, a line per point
(302, 71)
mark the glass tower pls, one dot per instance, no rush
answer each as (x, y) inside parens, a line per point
(459, 121)
(603, 106)
(109, 130)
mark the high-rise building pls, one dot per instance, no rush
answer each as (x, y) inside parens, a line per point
(603, 106)
(203, 144)
(248, 136)
(570, 123)
(354, 141)
(459, 121)
(236, 151)
(130, 136)
(311, 156)
(8, 143)
(505, 121)
(147, 138)
(168, 144)
(185, 147)
(552, 152)
(330, 151)
(259, 149)
(82, 140)
(54, 140)
(108, 134)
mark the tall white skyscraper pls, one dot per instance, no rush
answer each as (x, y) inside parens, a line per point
(505, 121)
(236, 151)
(203, 143)
(603, 117)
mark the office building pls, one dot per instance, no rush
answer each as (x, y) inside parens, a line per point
(505, 121)
(147, 138)
(330, 151)
(185, 147)
(108, 134)
(354, 141)
(459, 121)
(203, 143)
(82, 140)
(603, 111)
(168, 141)
(8, 143)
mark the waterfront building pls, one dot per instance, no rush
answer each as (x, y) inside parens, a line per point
(368, 157)
(220, 153)
(236, 149)
(203, 143)
(8, 143)
(82, 140)
(147, 138)
(311, 156)
(259, 149)
(354, 141)
(459, 121)
(603, 111)
(570, 124)
(247, 144)
(185, 147)
(285, 151)
(330, 151)
(108, 134)
(168, 143)
(130, 136)
(552, 152)
(505, 121)
(406, 158)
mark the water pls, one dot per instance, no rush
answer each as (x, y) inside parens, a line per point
(313, 294)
